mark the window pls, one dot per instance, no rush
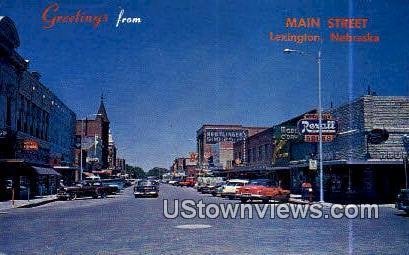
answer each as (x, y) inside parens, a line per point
(266, 152)
(260, 153)
(8, 111)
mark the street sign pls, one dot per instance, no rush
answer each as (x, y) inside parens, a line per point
(312, 164)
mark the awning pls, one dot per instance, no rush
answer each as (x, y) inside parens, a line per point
(45, 171)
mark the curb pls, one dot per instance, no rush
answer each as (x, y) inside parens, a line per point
(30, 205)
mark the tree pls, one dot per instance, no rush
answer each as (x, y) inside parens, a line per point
(135, 172)
(157, 172)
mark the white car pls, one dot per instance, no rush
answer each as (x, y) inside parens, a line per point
(229, 190)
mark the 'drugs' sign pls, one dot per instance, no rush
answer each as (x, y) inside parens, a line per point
(310, 129)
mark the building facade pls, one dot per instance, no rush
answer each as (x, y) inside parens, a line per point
(268, 153)
(93, 134)
(112, 152)
(37, 130)
(364, 161)
(209, 137)
(358, 164)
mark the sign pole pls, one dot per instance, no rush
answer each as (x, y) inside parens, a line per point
(320, 128)
(405, 163)
(82, 131)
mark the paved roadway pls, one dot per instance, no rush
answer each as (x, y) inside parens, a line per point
(125, 225)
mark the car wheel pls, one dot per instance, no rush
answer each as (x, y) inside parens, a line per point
(73, 196)
(243, 200)
(214, 194)
(136, 196)
(103, 195)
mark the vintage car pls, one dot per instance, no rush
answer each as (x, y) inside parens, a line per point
(116, 184)
(216, 189)
(188, 182)
(84, 189)
(206, 182)
(230, 188)
(402, 201)
(262, 189)
(146, 188)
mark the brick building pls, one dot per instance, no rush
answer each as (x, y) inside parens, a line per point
(94, 134)
(269, 152)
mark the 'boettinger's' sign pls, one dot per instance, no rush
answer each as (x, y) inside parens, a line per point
(225, 135)
(309, 128)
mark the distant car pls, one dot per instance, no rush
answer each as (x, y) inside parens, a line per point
(262, 189)
(116, 184)
(402, 201)
(188, 182)
(229, 190)
(146, 188)
(172, 182)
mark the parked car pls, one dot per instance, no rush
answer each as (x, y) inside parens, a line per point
(146, 188)
(262, 189)
(188, 182)
(229, 190)
(402, 201)
(208, 181)
(84, 189)
(172, 182)
(218, 188)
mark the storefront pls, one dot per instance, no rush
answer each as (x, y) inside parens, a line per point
(23, 180)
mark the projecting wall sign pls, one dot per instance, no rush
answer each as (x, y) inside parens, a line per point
(309, 127)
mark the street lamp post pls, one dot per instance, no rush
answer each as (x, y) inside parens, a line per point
(81, 138)
(288, 51)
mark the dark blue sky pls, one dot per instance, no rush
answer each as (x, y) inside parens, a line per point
(196, 62)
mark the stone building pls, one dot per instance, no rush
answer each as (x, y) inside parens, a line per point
(37, 130)
(357, 164)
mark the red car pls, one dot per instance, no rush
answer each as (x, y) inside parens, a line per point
(188, 182)
(262, 189)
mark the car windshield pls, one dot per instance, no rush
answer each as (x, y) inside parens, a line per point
(146, 183)
(234, 184)
(260, 182)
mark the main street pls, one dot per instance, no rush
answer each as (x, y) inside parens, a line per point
(125, 225)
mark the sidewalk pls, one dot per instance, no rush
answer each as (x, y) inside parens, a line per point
(6, 205)
(297, 199)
